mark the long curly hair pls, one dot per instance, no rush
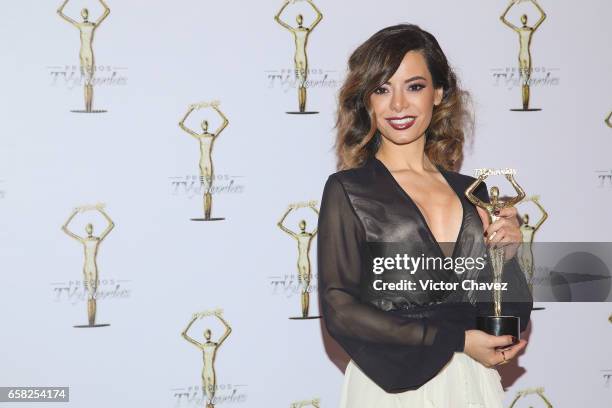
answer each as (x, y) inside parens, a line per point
(370, 66)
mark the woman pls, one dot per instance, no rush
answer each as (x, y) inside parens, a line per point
(401, 123)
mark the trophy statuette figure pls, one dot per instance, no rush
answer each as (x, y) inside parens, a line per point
(209, 350)
(497, 324)
(304, 239)
(86, 29)
(528, 232)
(315, 403)
(525, 34)
(300, 36)
(206, 141)
(91, 244)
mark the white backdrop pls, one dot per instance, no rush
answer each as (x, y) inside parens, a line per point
(167, 55)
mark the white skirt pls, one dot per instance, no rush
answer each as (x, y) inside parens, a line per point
(462, 383)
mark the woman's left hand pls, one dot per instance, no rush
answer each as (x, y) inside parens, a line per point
(504, 232)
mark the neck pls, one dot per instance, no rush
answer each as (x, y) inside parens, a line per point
(410, 156)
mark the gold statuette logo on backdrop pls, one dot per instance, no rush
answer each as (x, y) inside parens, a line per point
(304, 239)
(531, 391)
(206, 140)
(86, 56)
(316, 403)
(609, 120)
(209, 352)
(497, 324)
(300, 36)
(528, 232)
(525, 33)
(91, 244)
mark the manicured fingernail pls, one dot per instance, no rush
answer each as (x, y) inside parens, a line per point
(514, 339)
(485, 233)
(496, 212)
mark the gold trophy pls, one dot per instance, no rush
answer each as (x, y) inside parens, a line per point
(528, 231)
(609, 120)
(86, 57)
(304, 239)
(525, 34)
(300, 36)
(316, 403)
(209, 352)
(90, 243)
(497, 324)
(206, 140)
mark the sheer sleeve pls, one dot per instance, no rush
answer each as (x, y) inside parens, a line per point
(517, 299)
(399, 351)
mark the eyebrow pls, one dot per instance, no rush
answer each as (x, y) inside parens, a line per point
(411, 79)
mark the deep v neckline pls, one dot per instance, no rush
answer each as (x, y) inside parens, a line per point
(420, 213)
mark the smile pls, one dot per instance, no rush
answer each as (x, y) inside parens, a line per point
(401, 123)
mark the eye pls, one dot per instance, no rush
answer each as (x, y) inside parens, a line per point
(380, 90)
(416, 87)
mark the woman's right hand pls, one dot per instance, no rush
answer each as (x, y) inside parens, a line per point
(490, 350)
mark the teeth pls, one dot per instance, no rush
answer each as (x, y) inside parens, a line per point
(402, 121)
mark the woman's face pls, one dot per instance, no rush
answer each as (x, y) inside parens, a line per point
(403, 105)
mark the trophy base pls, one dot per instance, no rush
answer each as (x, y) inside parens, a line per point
(208, 219)
(305, 318)
(302, 113)
(86, 111)
(526, 110)
(81, 326)
(499, 325)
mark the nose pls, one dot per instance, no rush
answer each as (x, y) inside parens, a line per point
(398, 101)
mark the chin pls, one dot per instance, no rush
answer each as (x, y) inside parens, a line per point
(401, 137)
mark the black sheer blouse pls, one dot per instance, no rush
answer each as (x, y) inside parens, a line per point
(400, 339)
